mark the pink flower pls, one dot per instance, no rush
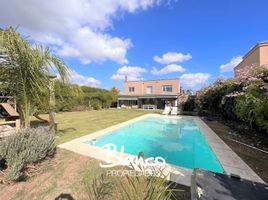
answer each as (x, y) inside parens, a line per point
(235, 94)
(252, 79)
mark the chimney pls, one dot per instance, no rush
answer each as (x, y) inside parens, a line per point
(125, 78)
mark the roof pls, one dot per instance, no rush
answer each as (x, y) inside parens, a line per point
(9, 109)
(155, 80)
(258, 45)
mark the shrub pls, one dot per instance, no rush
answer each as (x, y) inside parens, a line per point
(29, 146)
(252, 110)
(80, 108)
(190, 104)
(244, 98)
(104, 187)
(262, 114)
(150, 187)
(101, 187)
(96, 104)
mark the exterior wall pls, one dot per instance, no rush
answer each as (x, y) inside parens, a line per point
(252, 59)
(264, 56)
(140, 86)
(257, 56)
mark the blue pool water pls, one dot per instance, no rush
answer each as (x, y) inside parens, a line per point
(178, 141)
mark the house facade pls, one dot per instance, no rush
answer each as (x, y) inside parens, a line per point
(257, 56)
(153, 94)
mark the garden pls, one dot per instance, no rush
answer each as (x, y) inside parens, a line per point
(31, 166)
(236, 109)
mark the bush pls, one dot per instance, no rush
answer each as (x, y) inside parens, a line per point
(190, 104)
(244, 99)
(128, 187)
(96, 104)
(252, 110)
(80, 108)
(29, 146)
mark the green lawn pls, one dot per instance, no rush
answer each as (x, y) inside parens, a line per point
(75, 124)
(61, 175)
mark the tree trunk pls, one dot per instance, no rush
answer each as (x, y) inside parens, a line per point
(24, 112)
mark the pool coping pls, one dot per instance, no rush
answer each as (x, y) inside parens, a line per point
(229, 160)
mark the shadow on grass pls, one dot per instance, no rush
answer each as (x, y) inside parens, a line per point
(65, 131)
(64, 196)
(37, 123)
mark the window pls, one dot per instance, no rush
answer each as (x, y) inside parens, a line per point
(149, 90)
(167, 88)
(131, 89)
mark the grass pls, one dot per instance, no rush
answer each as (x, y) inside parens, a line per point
(64, 176)
(76, 124)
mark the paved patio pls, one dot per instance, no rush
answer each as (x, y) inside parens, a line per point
(229, 160)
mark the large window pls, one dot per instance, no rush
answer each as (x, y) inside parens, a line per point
(167, 88)
(149, 90)
(131, 89)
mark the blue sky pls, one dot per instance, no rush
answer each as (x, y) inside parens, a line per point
(102, 41)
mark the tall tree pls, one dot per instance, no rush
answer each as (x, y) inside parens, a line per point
(25, 71)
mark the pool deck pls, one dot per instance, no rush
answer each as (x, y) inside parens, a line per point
(230, 161)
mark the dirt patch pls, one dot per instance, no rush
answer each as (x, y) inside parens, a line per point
(257, 160)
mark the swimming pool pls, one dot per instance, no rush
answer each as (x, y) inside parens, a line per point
(178, 140)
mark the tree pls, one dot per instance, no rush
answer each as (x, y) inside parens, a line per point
(115, 90)
(25, 71)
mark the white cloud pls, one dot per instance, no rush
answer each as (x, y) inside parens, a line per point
(79, 79)
(172, 57)
(230, 65)
(75, 28)
(133, 73)
(194, 79)
(168, 69)
(90, 46)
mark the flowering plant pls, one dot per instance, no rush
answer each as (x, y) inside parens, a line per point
(243, 98)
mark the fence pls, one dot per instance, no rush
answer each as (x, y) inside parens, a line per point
(16, 122)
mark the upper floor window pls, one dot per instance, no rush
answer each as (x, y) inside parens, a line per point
(167, 88)
(149, 90)
(131, 89)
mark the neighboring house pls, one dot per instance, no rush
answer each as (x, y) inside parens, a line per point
(257, 56)
(150, 94)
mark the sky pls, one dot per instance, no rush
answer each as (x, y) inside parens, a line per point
(102, 41)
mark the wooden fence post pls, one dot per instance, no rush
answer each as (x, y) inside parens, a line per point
(17, 125)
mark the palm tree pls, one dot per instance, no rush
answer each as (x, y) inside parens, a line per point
(25, 71)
